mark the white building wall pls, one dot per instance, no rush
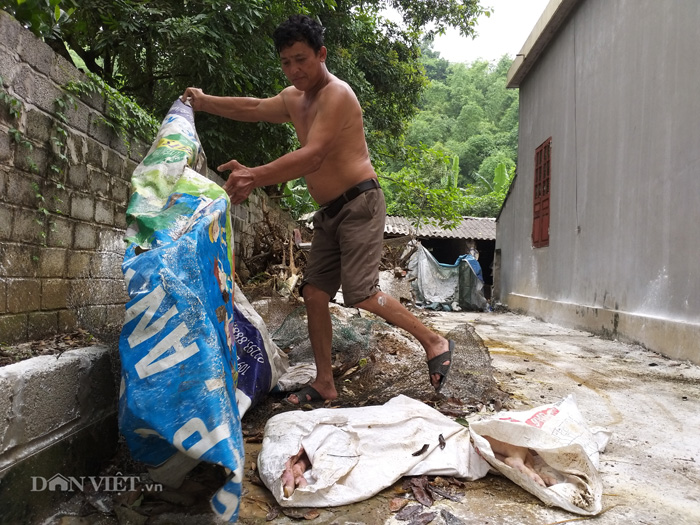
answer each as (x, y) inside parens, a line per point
(618, 93)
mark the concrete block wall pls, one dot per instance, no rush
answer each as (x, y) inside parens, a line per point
(49, 397)
(60, 232)
(58, 416)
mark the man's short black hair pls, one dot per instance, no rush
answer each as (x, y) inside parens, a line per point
(298, 28)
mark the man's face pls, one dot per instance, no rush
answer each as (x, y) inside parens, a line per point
(301, 65)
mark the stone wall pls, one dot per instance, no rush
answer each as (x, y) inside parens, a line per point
(61, 231)
(61, 248)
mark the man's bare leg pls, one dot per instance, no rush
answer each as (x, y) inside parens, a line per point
(388, 308)
(321, 336)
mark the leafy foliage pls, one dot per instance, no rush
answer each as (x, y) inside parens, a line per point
(470, 113)
(425, 189)
(152, 51)
(43, 17)
(124, 116)
(466, 113)
(296, 198)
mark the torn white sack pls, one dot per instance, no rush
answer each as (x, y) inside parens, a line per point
(357, 452)
(562, 440)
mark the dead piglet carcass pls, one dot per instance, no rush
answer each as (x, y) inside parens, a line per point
(293, 474)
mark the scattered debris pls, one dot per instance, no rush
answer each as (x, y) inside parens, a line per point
(423, 519)
(374, 362)
(408, 512)
(301, 513)
(396, 504)
(54, 345)
(419, 487)
(434, 490)
(273, 513)
(450, 519)
(422, 451)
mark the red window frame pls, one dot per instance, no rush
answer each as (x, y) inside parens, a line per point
(540, 215)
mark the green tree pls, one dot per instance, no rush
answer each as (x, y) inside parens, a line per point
(465, 112)
(490, 164)
(478, 203)
(436, 97)
(471, 121)
(435, 66)
(43, 17)
(429, 128)
(424, 190)
(472, 153)
(151, 51)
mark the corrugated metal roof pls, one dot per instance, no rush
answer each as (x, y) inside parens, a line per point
(471, 228)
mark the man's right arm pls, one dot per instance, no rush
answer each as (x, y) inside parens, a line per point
(244, 109)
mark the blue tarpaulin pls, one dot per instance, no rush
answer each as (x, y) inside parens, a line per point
(446, 285)
(177, 346)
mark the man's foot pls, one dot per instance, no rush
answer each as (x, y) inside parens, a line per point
(439, 366)
(309, 394)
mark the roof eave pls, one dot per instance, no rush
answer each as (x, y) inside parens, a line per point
(542, 34)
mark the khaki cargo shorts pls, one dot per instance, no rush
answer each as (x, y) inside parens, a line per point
(346, 249)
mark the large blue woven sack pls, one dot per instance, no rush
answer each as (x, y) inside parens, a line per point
(177, 346)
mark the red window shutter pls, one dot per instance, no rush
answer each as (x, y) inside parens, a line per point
(540, 215)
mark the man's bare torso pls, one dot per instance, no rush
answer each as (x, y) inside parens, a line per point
(347, 162)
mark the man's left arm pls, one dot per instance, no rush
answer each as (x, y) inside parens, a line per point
(328, 122)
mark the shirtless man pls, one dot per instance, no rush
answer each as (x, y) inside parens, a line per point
(334, 160)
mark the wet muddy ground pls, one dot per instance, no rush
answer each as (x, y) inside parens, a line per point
(650, 469)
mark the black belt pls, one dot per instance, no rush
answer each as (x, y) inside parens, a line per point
(333, 208)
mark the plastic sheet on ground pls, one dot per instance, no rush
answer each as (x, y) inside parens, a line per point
(357, 452)
(179, 363)
(436, 283)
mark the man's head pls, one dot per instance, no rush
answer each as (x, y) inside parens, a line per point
(298, 28)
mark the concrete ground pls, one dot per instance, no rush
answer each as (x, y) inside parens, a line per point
(650, 469)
